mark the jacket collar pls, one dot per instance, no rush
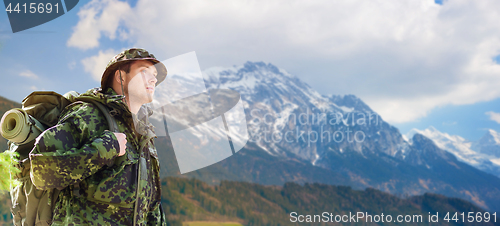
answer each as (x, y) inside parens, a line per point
(118, 107)
(140, 120)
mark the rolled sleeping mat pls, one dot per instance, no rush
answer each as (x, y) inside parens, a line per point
(19, 127)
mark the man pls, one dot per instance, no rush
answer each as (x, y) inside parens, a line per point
(105, 178)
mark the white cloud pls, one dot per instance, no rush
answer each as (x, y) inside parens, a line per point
(403, 58)
(494, 116)
(28, 74)
(98, 16)
(95, 65)
(33, 88)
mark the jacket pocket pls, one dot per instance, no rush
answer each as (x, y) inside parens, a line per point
(118, 183)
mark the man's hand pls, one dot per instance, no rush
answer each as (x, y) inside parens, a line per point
(122, 139)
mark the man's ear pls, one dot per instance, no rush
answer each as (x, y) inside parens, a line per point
(116, 77)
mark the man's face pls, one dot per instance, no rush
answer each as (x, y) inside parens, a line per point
(141, 82)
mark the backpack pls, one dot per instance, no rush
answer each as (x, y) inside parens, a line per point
(40, 110)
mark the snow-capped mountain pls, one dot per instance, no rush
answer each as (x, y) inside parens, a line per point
(286, 116)
(297, 134)
(489, 144)
(483, 154)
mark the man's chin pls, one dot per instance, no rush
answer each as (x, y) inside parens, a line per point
(150, 98)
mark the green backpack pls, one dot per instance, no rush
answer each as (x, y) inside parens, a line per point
(40, 110)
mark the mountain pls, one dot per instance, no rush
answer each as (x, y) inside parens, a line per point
(186, 200)
(489, 144)
(254, 204)
(300, 135)
(483, 154)
(6, 105)
(277, 102)
(5, 215)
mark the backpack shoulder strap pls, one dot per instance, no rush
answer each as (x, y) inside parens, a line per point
(113, 126)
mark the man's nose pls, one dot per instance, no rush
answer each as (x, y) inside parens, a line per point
(153, 79)
(150, 78)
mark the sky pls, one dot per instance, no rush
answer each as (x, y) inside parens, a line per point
(418, 63)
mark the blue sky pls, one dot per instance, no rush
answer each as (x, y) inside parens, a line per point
(469, 121)
(417, 63)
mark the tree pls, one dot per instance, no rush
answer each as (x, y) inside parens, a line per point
(7, 168)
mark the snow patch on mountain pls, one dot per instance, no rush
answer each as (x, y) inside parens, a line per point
(346, 109)
(465, 151)
(496, 161)
(495, 135)
(278, 103)
(489, 144)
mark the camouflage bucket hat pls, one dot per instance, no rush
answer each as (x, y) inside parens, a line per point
(129, 55)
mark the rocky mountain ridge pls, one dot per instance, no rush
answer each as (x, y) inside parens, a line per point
(341, 135)
(483, 154)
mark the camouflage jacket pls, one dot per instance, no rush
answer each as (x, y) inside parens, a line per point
(80, 156)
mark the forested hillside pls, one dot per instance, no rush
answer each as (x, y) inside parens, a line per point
(254, 204)
(187, 200)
